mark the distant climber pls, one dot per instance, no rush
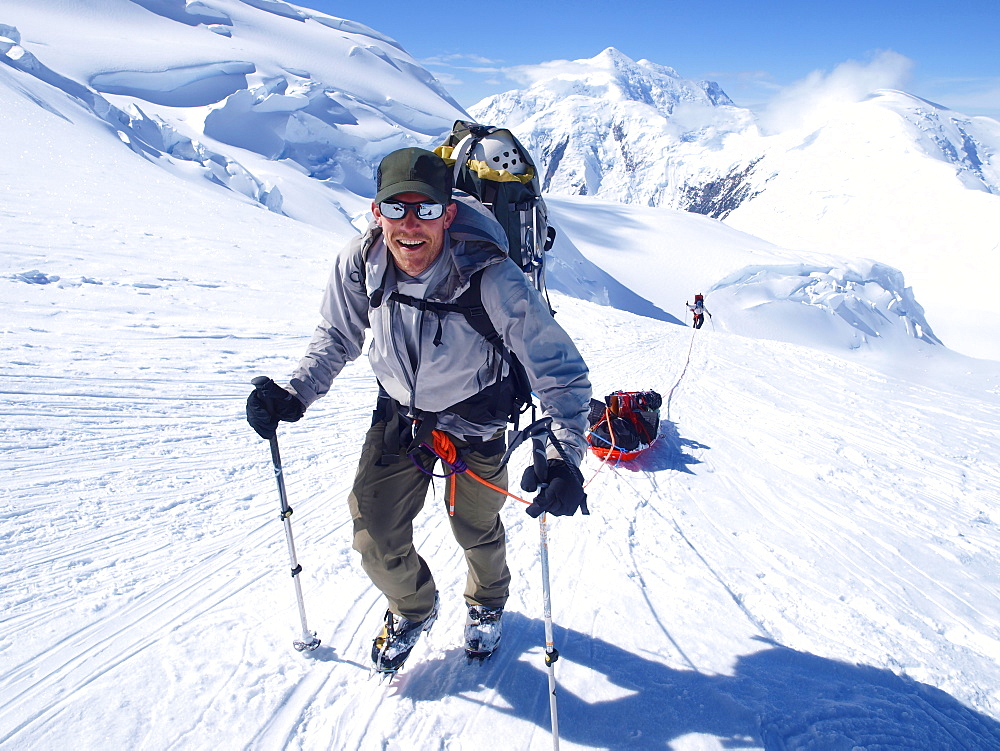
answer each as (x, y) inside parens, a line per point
(698, 310)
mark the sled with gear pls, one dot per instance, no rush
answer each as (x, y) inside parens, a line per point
(624, 425)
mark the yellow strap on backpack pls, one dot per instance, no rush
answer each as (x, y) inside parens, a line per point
(483, 170)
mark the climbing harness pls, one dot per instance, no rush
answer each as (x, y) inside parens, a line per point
(444, 449)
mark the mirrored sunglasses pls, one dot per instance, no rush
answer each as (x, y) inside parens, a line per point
(398, 209)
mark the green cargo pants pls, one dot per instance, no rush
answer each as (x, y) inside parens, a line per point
(386, 499)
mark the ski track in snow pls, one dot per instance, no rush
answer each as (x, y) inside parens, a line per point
(825, 573)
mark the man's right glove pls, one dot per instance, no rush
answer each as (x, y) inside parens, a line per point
(268, 404)
(562, 494)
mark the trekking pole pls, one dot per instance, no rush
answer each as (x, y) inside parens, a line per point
(551, 653)
(309, 640)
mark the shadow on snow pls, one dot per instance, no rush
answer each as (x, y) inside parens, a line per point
(777, 698)
(667, 452)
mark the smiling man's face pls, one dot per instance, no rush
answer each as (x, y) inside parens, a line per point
(414, 243)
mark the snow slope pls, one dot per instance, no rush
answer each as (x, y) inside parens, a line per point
(752, 287)
(808, 558)
(288, 106)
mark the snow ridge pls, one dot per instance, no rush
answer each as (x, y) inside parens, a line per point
(268, 121)
(150, 137)
(854, 304)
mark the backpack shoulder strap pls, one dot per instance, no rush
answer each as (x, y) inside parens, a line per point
(470, 305)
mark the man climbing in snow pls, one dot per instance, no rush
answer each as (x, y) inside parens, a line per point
(698, 310)
(435, 372)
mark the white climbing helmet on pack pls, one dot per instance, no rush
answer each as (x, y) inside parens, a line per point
(498, 151)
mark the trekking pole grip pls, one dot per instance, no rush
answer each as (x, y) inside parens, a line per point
(538, 460)
(259, 383)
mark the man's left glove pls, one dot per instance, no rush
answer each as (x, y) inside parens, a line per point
(268, 404)
(562, 493)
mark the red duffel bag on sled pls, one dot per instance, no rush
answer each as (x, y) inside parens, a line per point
(624, 425)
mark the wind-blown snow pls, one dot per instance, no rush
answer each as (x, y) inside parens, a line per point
(820, 97)
(808, 558)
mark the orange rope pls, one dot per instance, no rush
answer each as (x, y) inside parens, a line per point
(447, 453)
(607, 456)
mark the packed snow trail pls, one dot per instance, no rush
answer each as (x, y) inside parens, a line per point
(795, 518)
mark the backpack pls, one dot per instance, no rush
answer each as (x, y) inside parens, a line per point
(491, 165)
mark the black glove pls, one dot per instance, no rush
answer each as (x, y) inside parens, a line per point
(562, 493)
(268, 404)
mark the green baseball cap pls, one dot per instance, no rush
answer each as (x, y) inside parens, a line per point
(414, 170)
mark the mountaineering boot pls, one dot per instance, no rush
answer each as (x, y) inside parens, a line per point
(483, 628)
(397, 638)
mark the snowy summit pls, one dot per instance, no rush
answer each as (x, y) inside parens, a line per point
(830, 167)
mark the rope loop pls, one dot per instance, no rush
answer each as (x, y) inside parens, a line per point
(444, 449)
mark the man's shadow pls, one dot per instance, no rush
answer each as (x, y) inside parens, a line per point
(777, 698)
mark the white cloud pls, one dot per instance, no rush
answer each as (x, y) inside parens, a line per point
(528, 75)
(462, 62)
(811, 99)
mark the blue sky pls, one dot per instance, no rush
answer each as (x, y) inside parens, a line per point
(946, 52)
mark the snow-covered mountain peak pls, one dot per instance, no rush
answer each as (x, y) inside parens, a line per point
(833, 165)
(613, 76)
(602, 126)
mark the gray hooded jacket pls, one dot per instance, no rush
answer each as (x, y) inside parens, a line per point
(463, 363)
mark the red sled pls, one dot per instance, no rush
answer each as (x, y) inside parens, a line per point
(616, 455)
(624, 425)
